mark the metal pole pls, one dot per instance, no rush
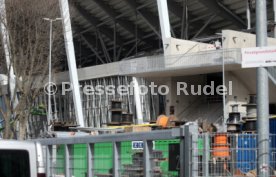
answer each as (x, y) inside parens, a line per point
(186, 30)
(274, 10)
(137, 98)
(262, 93)
(224, 95)
(206, 154)
(248, 15)
(183, 22)
(50, 74)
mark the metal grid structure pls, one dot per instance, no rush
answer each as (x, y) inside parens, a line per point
(95, 106)
(238, 157)
(108, 31)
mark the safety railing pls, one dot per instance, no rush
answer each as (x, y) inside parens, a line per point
(184, 61)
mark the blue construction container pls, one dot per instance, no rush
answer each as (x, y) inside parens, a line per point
(272, 131)
(272, 126)
(246, 154)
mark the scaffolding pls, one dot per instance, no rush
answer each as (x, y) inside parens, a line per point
(96, 107)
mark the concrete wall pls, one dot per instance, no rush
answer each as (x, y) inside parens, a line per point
(236, 39)
(92, 72)
(239, 90)
(248, 78)
(182, 102)
(190, 107)
(179, 46)
(244, 80)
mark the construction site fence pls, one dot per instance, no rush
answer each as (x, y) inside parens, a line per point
(162, 153)
(230, 154)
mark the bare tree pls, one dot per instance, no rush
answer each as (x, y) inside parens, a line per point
(28, 49)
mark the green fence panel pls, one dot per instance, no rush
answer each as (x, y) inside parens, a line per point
(79, 160)
(126, 153)
(103, 158)
(163, 145)
(59, 162)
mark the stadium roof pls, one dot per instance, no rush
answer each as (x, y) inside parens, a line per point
(112, 30)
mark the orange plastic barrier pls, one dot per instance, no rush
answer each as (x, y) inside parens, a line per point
(221, 148)
(221, 151)
(221, 139)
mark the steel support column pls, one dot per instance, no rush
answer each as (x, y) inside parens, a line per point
(103, 44)
(70, 51)
(184, 21)
(164, 19)
(262, 93)
(139, 113)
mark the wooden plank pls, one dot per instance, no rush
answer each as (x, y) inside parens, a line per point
(137, 129)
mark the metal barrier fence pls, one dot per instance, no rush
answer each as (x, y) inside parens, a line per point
(128, 154)
(161, 153)
(224, 154)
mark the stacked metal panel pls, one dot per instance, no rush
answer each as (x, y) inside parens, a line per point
(95, 106)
